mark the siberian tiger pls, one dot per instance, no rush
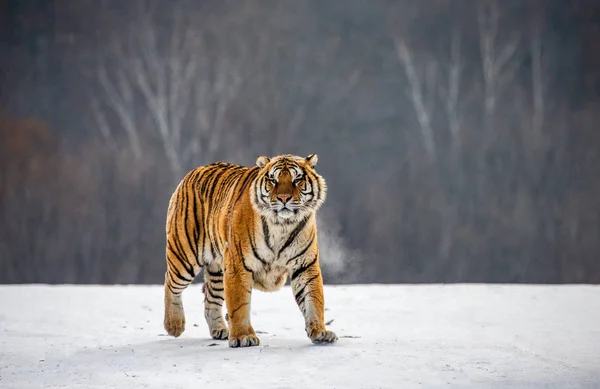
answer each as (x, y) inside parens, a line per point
(247, 228)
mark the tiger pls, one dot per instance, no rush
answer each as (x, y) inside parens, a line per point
(246, 228)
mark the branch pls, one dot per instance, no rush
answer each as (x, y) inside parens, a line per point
(102, 123)
(537, 80)
(182, 69)
(498, 68)
(416, 95)
(120, 100)
(454, 78)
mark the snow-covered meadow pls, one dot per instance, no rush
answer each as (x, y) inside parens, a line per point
(396, 336)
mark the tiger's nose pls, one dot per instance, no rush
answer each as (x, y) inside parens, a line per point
(284, 197)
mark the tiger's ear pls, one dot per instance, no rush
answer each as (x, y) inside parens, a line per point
(262, 161)
(312, 160)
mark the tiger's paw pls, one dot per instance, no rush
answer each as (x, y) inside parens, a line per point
(324, 337)
(220, 333)
(321, 336)
(244, 341)
(174, 325)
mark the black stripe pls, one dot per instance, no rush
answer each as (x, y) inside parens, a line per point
(175, 271)
(294, 234)
(313, 182)
(191, 244)
(266, 233)
(179, 258)
(217, 289)
(218, 273)
(182, 258)
(207, 174)
(250, 174)
(213, 295)
(212, 302)
(238, 188)
(196, 226)
(209, 237)
(177, 283)
(204, 232)
(237, 309)
(303, 268)
(261, 183)
(179, 209)
(312, 239)
(311, 279)
(178, 275)
(246, 267)
(176, 239)
(212, 250)
(188, 267)
(175, 292)
(241, 254)
(227, 182)
(215, 183)
(194, 175)
(301, 301)
(300, 292)
(254, 249)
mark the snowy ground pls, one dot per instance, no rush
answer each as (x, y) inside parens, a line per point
(427, 336)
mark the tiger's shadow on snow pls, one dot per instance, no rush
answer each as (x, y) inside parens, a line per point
(190, 350)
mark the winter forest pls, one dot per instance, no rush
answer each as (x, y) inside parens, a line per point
(460, 139)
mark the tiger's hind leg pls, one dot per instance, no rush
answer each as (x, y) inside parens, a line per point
(182, 245)
(214, 297)
(177, 278)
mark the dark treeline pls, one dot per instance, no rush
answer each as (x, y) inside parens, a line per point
(459, 139)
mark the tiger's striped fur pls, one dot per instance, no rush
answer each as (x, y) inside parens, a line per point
(247, 227)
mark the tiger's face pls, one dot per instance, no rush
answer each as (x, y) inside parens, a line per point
(288, 187)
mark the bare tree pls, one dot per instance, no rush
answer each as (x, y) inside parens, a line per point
(144, 75)
(164, 79)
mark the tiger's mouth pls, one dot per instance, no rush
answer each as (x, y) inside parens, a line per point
(286, 210)
(285, 213)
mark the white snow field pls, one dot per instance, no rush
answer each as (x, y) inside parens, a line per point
(397, 336)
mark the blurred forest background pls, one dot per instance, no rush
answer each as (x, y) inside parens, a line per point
(460, 139)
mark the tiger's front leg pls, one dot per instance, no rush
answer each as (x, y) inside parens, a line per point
(307, 285)
(238, 293)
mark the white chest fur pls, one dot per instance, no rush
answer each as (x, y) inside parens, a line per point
(275, 250)
(280, 242)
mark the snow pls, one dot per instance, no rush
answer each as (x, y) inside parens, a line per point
(391, 336)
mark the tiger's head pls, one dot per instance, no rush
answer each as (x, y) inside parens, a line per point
(287, 187)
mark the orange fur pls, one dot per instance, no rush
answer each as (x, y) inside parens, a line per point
(247, 228)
